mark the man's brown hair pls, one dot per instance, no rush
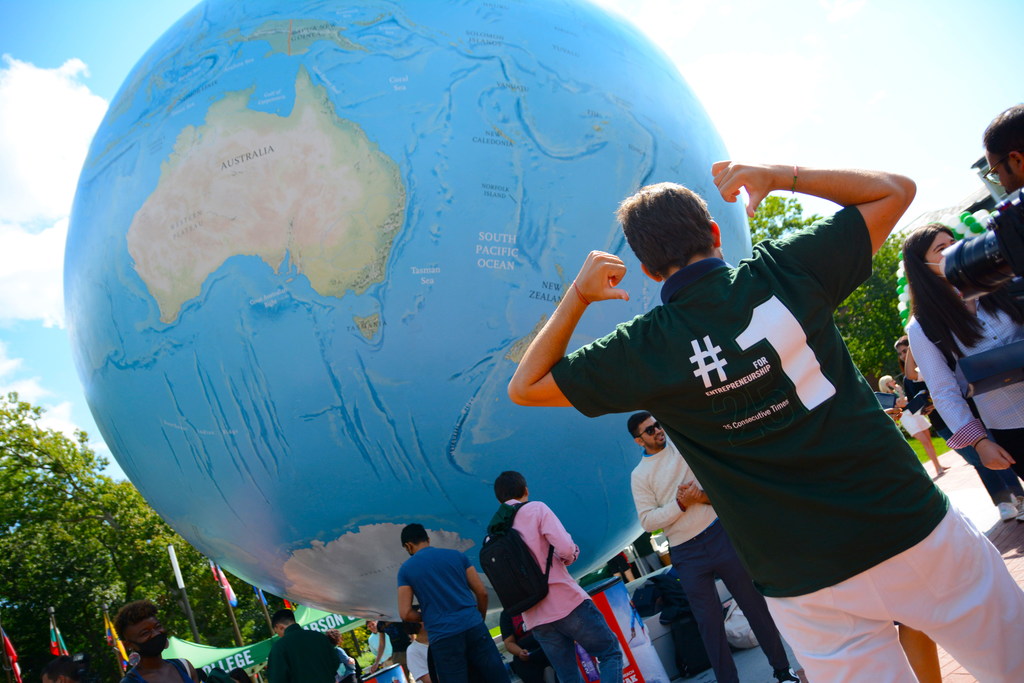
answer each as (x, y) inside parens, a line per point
(666, 225)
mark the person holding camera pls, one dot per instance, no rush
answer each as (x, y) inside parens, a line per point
(945, 328)
(1004, 149)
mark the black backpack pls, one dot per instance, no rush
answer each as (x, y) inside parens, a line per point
(506, 560)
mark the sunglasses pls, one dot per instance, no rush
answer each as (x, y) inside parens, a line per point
(649, 431)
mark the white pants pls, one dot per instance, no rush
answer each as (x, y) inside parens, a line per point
(953, 585)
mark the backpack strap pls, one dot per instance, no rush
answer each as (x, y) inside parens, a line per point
(551, 548)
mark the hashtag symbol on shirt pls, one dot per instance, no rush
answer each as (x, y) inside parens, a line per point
(709, 352)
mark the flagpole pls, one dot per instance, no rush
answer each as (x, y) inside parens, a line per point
(262, 599)
(184, 594)
(58, 638)
(234, 622)
(113, 650)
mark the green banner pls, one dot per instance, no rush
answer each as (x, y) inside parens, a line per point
(227, 658)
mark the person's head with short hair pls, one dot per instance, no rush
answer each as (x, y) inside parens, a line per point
(281, 620)
(510, 485)
(635, 420)
(240, 676)
(64, 669)
(137, 625)
(414, 537)
(334, 635)
(1004, 148)
(667, 225)
(886, 384)
(647, 432)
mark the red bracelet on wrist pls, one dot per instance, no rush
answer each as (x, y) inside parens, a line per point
(580, 294)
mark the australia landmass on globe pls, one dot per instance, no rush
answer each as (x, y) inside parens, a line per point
(309, 187)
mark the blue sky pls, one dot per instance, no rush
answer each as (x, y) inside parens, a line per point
(902, 85)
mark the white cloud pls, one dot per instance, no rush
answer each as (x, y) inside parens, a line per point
(56, 416)
(49, 118)
(28, 388)
(32, 273)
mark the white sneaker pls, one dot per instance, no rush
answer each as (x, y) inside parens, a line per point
(1008, 511)
(1019, 502)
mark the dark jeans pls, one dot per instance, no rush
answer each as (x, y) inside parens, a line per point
(454, 657)
(1013, 441)
(584, 625)
(532, 670)
(999, 483)
(697, 562)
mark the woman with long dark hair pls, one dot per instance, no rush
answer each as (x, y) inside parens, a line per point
(944, 328)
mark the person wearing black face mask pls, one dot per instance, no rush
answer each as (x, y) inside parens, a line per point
(142, 632)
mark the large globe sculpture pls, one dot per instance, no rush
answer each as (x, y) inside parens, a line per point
(311, 242)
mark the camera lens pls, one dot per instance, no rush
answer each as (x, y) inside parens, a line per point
(976, 266)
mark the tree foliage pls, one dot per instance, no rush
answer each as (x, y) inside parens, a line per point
(869, 319)
(777, 216)
(73, 539)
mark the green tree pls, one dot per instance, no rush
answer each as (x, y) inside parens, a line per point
(777, 216)
(869, 319)
(74, 539)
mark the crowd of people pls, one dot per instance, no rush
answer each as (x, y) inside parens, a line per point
(765, 459)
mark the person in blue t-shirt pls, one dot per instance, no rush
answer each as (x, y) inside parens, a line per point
(453, 602)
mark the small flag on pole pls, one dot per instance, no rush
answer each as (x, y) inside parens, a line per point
(288, 604)
(57, 646)
(12, 657)
(219, 577)
(259, 595)
(114, 641)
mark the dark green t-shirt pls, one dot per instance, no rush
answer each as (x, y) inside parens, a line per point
(745, 369)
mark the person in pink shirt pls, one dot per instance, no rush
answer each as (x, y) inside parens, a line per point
(567, 615)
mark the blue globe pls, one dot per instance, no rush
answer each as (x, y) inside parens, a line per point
(311, 242)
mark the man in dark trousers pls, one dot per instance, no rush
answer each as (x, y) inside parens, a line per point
(300, 655)
(453, 601)
(669, 497)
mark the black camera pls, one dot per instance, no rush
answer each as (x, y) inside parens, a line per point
(984, 264)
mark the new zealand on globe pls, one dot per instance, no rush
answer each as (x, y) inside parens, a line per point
(312, 240)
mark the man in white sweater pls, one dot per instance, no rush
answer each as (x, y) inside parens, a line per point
(668, 497)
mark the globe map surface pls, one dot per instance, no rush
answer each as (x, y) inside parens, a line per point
(310, 244)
